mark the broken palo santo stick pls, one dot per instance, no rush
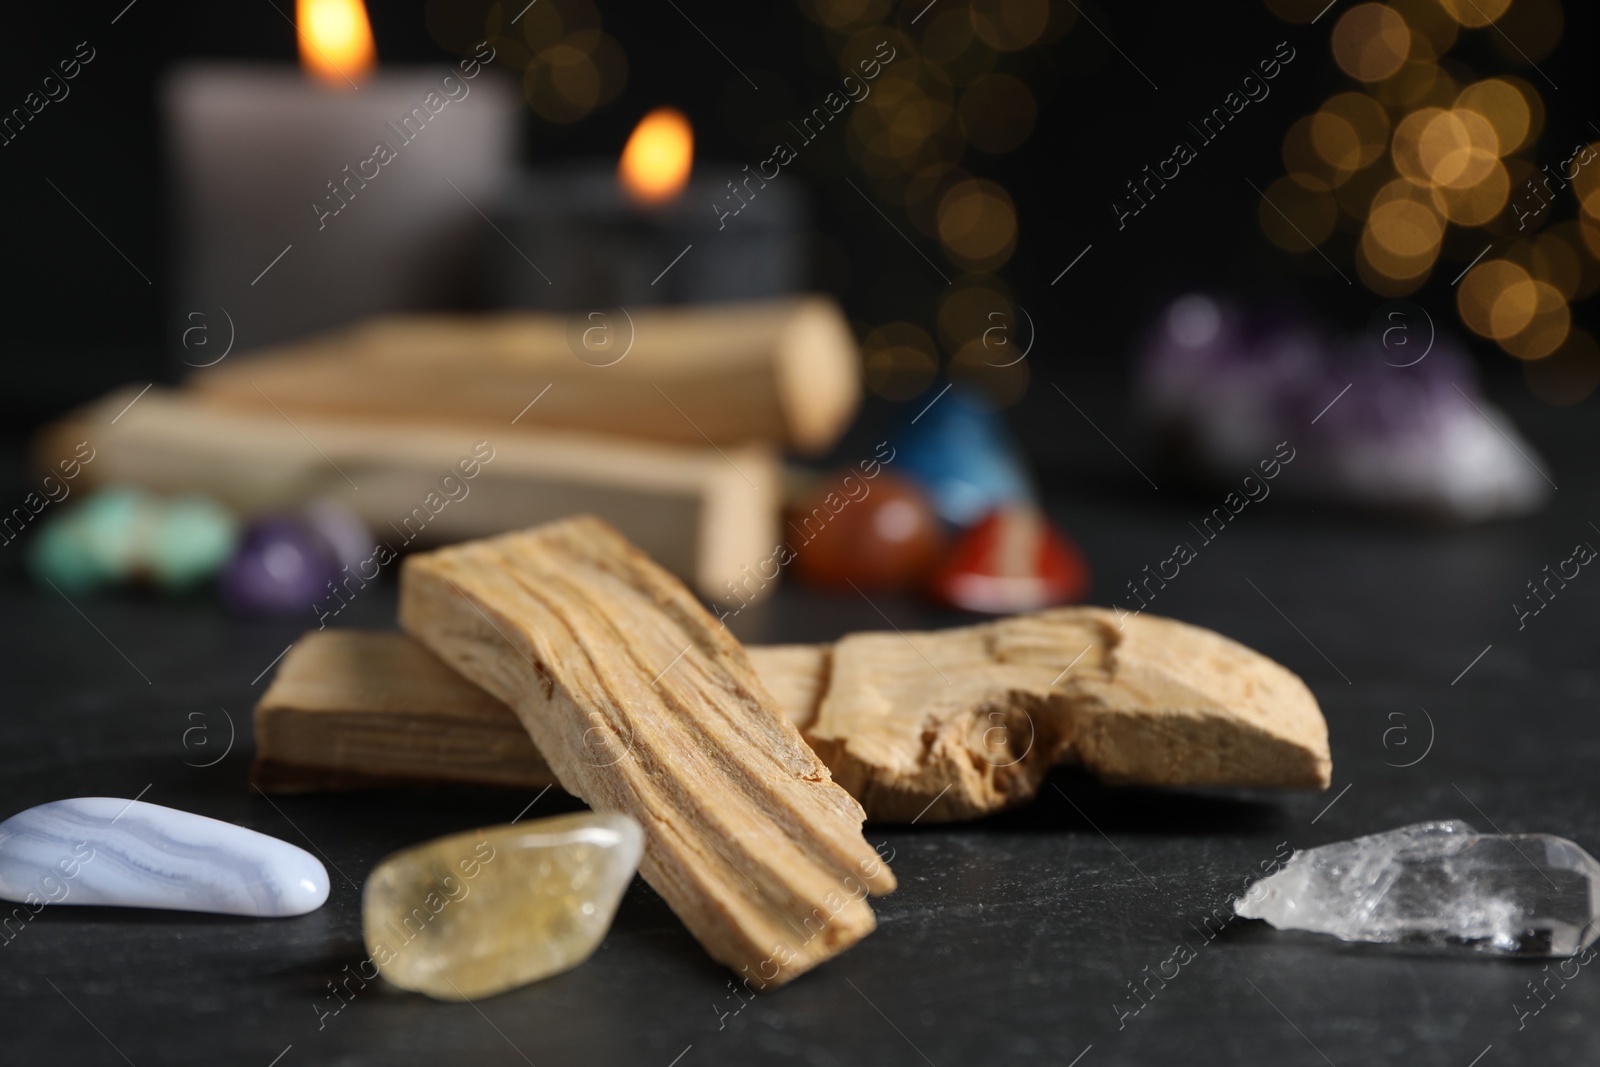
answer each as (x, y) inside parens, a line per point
(643, 705)
(955, 724)
(355, 708)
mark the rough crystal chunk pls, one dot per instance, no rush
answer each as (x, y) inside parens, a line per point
(1439, 883)
(479, 913)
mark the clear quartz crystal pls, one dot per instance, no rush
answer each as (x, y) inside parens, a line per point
(1439, 883)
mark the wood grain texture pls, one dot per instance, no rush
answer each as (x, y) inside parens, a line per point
(785, 371)
(642, 704)
(357, 709)
(353, 708)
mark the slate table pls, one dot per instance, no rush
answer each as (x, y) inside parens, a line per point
(1011, 940)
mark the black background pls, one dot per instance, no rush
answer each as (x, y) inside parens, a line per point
(79, 321)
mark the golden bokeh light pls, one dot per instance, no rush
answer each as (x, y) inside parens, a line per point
(1350, 131)
(971, 307)
(1406, 144)
(1407, 231)
(925, 190)
(1457, 149)
(1336, 141)
(1584, 176)
(1371, 42)
(1391, 279)
(1475, 13)
(1513, 309)
(899, 360)
(1549, 320)
(583, 69)
(1420, 83)
(1305, 162)
(1296, 218)
(978, 224)
(1433, 32)
(1480, 290)
(950, 42)
(1355, 196)
(1009, 25)
(1549, 258)
(1476, 205)
(1505, 108)
(1562, 250)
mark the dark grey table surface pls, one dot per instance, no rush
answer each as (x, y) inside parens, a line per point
(1011, 940)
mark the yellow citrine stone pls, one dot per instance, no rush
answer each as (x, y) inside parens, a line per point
(479, 913)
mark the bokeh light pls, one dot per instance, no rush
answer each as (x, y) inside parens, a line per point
(1549, 320)
(1505, 108)
(1350, 131)
(899, 360)
(1474, 13)
(1426, 150)
(1479, 291)
(1371, 42)
(978, 224)
(1009, 25)
(970, 307)
(1477, 204)
(1457, 149)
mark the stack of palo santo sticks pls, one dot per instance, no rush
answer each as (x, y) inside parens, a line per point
(564, 655)
(667, 422)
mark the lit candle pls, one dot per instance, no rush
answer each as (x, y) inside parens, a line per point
(644, 231)
(306, 200)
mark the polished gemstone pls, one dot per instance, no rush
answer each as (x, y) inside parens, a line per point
(103, 850)
(1439, 883)
(479, 913)
(959, 449)
(877, 534)
(1012, 561)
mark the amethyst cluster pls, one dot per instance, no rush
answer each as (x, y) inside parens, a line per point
(1390, 419)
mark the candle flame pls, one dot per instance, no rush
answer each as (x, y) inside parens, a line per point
(335, 41)
(657, 158)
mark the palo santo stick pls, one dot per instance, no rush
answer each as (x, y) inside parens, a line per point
(364, 706)
(959, 723)
(784, 371)
(356, 708)
(643, 705)
(702, 513)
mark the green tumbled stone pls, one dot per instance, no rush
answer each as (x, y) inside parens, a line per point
(479, 913)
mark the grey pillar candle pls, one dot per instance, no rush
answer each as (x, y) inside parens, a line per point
(301, 207)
